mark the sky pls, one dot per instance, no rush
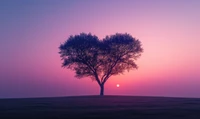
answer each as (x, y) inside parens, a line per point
(32, 30)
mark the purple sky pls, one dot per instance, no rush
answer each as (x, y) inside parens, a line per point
(32, 30)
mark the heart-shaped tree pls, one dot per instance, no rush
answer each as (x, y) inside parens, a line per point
(100, 59)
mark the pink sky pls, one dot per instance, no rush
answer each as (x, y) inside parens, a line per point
(31, 33)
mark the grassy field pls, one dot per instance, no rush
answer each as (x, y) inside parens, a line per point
(113, 107)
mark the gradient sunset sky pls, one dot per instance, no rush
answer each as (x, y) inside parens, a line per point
(32, 30)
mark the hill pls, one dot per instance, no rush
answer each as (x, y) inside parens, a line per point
(113, 107)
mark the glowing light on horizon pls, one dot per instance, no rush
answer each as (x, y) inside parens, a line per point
(117, 85)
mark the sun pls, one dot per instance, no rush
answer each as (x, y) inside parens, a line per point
(117, 85)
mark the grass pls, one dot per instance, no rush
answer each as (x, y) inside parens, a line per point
(113, 107)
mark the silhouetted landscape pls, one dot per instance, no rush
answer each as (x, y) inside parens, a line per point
(93, 53)
(116, 107)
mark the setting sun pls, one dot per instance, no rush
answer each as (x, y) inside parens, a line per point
(117, 85)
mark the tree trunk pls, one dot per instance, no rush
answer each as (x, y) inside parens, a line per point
(101, 90)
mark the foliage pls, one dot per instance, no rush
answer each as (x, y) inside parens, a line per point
(99, 59)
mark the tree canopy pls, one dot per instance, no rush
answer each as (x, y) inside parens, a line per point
(100, 59)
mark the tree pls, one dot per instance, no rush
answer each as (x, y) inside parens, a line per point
(100, 59)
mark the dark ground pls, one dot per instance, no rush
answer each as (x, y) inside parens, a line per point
(107, 107)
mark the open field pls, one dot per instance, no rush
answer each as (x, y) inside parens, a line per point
(113, 107)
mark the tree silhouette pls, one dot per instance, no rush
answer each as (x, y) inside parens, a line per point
(100, 59)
